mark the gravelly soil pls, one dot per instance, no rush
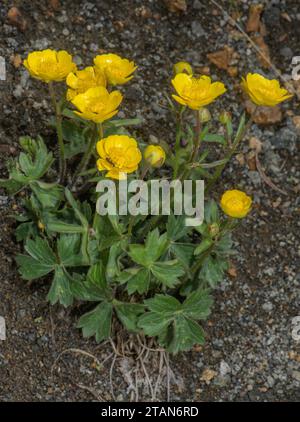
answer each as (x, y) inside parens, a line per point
(249, 342)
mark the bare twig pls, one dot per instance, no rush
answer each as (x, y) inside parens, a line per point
(265, 178)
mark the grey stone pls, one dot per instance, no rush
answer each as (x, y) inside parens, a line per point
(255, 178)
(224, 368)
(197, 5)
(287, 52)
(197, 29)
(267, 306)
(296, 375)
(285, 138)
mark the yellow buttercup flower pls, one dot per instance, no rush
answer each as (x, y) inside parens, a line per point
(97, 104)
(49, 65)
(119, 155)
(196, 92)
(183, 67)
(236, 203)
(155, 155)
(81, 80)
(118, 71)
(263, 91)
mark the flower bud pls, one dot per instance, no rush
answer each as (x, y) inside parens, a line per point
(155, 155)
(225, 117)
(183, 67)
(204, 115)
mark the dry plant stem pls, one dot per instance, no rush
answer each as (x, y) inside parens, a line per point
(72, 350)
(57, 108)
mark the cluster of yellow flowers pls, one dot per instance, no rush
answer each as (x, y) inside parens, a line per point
(199, 92)
(88, 90)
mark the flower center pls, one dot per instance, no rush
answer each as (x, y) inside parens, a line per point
(97, 107)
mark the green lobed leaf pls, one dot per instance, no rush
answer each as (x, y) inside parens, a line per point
(93, 287)
(167, 272)
(31, 269)
(60, 290)
(198, 304)
(155, 246)
(40, 250)
(97, 322)
(128, 314)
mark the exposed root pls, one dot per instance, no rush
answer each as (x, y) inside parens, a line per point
(83, 352)
(111, 377)
(144, 368)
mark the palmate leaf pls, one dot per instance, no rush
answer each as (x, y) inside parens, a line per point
(31, 269)
(68, 248)
(176, 228)
(12, 186)
(114, 256)
(182, 335)
(198, 304)
(175, 323)
(137, 279)
(212, 271)
(40, 250)
(32, 164)
(42, 261)
(163, 304)
(60, 290)
(155, 246)
(153, 324)
(75, 137)
(128, 314)
(93, 287)
(97, 322)
(49, 195)
(167, 272)
(25, 230)
(184, 253)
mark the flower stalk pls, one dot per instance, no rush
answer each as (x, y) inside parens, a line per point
(58, 122)
(88, 152)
